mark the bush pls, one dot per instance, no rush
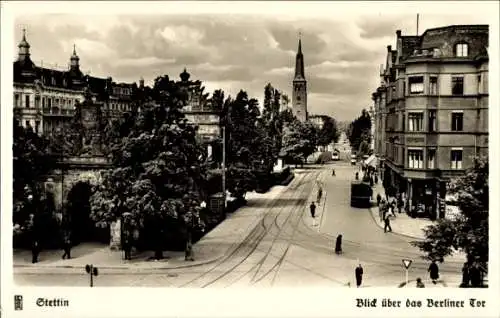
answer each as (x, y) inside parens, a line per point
(324, 157)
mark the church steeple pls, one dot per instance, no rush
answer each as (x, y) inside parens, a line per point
(299, 62)
(24, 48)
(299, 96)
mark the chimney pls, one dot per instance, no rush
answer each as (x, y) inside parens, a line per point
(398, 33)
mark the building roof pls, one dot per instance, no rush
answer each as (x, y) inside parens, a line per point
(409, 44)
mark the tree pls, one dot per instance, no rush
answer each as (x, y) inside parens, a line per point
(328, 132)
(247, 146)
(359, 130)
(271, 125)
(468, 232)
(299, 141)
(32, 160)
(157, 178)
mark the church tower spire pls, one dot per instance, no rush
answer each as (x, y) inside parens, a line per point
(299, 62)
(299, 97)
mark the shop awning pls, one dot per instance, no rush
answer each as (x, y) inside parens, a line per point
(371, 161)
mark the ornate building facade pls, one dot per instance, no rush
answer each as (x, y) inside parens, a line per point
(45, 98)
(299, 96)
(431, 111)
(199, 109)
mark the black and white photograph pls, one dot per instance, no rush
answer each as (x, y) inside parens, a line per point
(240, 150)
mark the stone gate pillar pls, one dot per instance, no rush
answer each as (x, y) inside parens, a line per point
(115, 235)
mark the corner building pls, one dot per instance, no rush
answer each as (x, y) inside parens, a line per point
(45, 98)
(431, 111)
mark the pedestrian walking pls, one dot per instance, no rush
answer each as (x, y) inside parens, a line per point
(127, 247)
(189, 251)
(379, 198)
(312, 208)
(434, 272)
(475, 276)
(35, 251)
(320, 194)
(387, 224)
(338, 244)
(67, 247)
(465, 276)
(419, 283)
(333, 172)
(359, 275)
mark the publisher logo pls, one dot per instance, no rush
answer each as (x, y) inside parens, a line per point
(18, 302)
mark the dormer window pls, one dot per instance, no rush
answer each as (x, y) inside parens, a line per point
(53, 81)
(461, 50)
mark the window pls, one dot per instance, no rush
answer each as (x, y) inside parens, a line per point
(37, 101)
(298, 98)
(432, 120)
(457, 121)
(415, 121)
(415, 159)
(457, 83)
(27, 123)
(49, 102)
(456, 159)
(461, 50)
(16, 100)
(27, 101)
(403, 123)
(431, 158)
(479, 84)
(404, 88)
(37, 126)
(43, 102)
(433, 82)
(416, 84)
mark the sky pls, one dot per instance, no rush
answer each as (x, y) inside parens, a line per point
(342, 53)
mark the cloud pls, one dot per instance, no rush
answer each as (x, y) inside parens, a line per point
(232, 52)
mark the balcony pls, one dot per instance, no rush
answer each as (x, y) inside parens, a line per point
(55, 112)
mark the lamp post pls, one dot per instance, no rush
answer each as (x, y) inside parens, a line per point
(224, 165)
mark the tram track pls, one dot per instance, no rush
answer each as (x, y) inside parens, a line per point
(252, 240)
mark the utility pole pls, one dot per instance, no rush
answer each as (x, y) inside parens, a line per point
(224, 165)
(417, 22)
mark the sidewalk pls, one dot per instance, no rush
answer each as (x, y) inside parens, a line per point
(405, 225)
(402, 224)
(213, 246)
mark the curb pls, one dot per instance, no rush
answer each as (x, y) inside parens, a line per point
(370, 209)
(28, 269)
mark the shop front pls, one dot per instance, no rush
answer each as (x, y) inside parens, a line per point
(423, 195)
